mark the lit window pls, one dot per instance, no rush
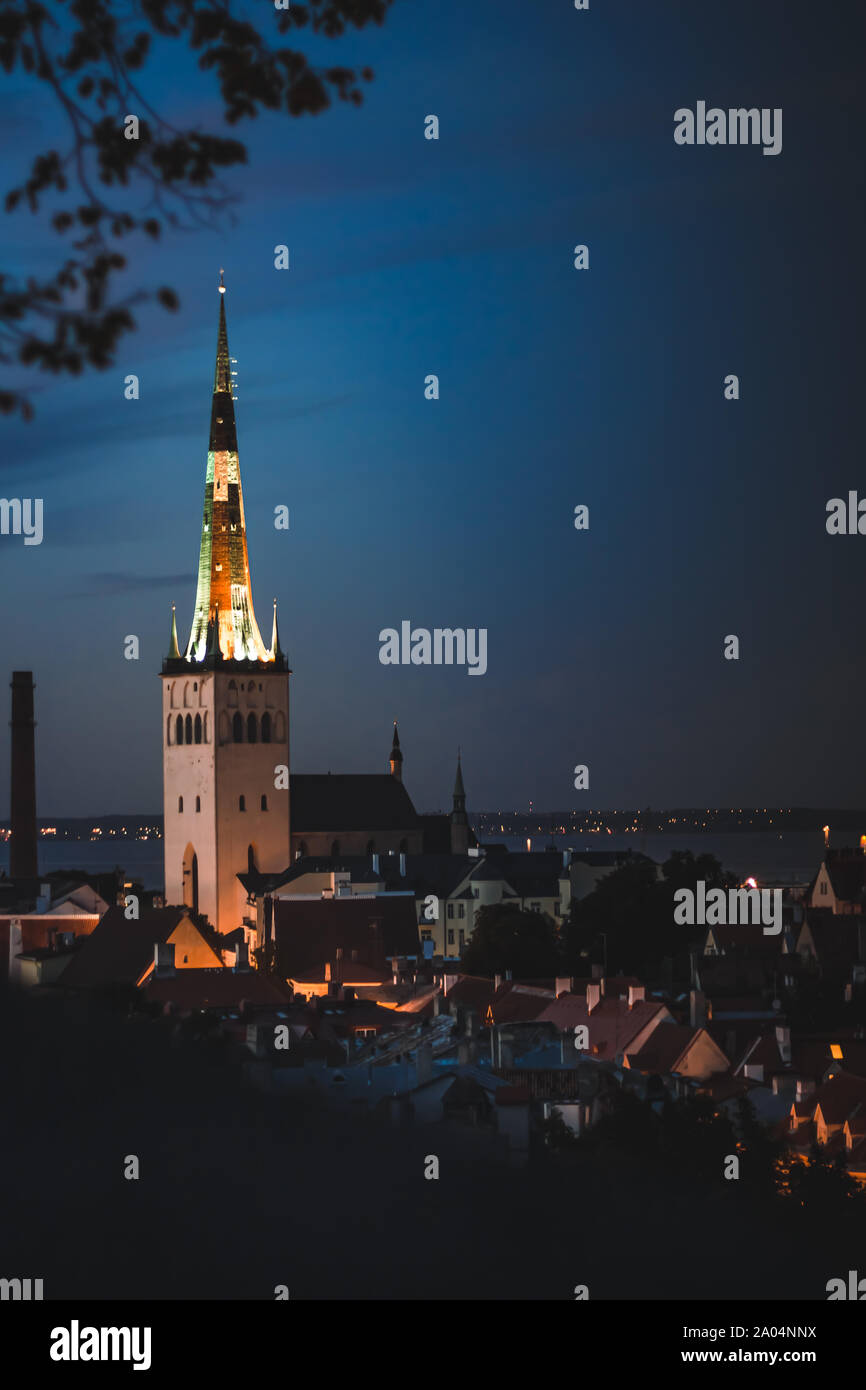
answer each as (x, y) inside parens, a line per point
(836, 1052)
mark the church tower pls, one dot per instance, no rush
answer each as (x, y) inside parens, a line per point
(225, 705)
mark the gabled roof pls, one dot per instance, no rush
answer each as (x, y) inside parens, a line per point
(613, 1026)
(836, 937)
(517, 1003)
(216, 989)
(847, 873)
(749, 938)
(664, 1049)
(472, 992)
(309, 932)
(117, 951)
(839, 1098)
(349, 801)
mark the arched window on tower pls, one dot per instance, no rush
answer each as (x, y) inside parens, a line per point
(180, 803)
(198, 728)
(264, 803)
(238, 727)
(266, 727)
(178, 729)
(251, 728)
(242, 803)
(280, 727)
(188, 728)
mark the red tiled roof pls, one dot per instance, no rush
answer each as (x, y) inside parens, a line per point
(216, 989)
(613, 1026)
(665, 1046)
(838, 1098)
(309, 931)
(516, 1003)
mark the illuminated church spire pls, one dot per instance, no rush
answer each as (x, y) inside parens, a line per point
(224, 602)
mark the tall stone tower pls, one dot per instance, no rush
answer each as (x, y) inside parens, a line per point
(225, 705)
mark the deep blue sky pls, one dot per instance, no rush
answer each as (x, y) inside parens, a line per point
(557, 387)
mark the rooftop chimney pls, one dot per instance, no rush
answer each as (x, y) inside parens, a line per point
(783, 1042)
(22, 846)
(635, 994)
(163, 959)
(593, 995)
(564, 985)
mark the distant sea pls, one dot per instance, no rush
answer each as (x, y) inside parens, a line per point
(791, 857)
(141, 859)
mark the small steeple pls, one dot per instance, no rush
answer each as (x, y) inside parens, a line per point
(459, 818)
(275, 653)
(173, 652)
(459, 789)
(396, 759)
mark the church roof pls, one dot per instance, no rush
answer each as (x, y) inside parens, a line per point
(349, 801)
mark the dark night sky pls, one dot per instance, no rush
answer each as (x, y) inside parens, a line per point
(557, 387)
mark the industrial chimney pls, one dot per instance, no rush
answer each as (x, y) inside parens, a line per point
(22, 801)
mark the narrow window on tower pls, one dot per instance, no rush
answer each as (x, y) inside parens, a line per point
(238, 728)
(178, 729)
(198, 803)
(242, 803)
(264, 803)
(266, 727)
(180, 803)
(251, 728)
(188, 728)
(198, 728)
